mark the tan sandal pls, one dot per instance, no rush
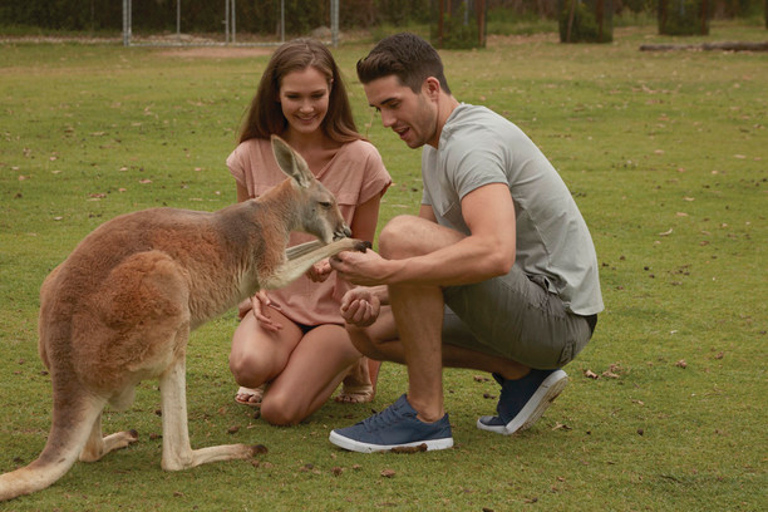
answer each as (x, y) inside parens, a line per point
(359, 385)
(250, 396)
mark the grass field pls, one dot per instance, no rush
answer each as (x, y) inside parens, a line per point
(667, 157)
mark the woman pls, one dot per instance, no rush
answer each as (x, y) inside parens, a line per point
(292, 342)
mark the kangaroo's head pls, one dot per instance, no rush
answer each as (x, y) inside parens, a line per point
(317, 210)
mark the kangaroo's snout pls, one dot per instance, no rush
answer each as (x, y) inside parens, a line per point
(342, 232)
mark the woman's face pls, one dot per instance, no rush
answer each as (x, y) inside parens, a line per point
(304, 97)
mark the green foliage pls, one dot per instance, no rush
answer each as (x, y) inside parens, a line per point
(262, 17)
(588, 21)
(460, 30)
(665, 156)
(683, 17)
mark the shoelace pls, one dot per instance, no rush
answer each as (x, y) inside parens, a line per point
(382, 419)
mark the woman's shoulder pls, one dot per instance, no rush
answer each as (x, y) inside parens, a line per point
(255, 145)
(360, 147)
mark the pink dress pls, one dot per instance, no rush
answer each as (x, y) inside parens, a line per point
(354, 175)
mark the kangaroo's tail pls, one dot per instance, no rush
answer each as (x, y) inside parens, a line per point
(71, 427)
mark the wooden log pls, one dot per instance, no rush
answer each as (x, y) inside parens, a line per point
(725, 46)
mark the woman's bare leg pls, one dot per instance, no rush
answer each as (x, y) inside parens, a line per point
(313, 372)
(258, 356)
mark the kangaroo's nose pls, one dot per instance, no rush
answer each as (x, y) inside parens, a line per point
(342, 232)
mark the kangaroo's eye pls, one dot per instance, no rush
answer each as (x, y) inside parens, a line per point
(325, 204)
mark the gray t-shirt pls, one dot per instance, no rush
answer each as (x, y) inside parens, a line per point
(478, 147)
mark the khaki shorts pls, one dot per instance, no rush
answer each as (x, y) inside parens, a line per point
(515, 317)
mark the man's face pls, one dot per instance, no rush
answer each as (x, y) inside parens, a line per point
(412, 116)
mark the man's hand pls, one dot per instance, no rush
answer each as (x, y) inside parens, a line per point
(360, 307)
(362, 268)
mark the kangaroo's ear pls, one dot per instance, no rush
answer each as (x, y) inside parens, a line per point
(291, 162)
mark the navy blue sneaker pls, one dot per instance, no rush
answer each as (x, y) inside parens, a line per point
(396, 427)
(523, 401)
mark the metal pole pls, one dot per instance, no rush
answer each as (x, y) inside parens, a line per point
(335, 23)
(282, 21)
(127, 22)
(234, 21)
(226, 21)
(178, 19)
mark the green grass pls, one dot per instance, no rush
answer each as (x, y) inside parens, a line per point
(666, 156)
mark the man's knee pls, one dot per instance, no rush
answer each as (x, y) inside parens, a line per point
(396, 240)
(364, 342)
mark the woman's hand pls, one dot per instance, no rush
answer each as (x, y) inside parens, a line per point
(320, 271)
(259, 305)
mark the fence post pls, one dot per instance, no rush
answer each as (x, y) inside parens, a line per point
(335, 23)
(127, 22)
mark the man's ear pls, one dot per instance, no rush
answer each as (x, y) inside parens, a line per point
(431, 87)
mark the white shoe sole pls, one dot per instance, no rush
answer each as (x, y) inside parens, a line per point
(552, 386)
(360, 447)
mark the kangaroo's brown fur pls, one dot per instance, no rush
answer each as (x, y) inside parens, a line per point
(120, 309)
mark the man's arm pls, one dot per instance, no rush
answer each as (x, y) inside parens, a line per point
(450, 258)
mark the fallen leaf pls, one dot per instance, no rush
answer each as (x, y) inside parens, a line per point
(388, 473)
(145, 181)
(681, 364)
(667, 233)
(410, 449)
(590, 374)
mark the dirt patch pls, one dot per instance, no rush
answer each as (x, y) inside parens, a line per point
(218, 52)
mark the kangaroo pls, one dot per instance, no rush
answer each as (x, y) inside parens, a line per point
(120, 309)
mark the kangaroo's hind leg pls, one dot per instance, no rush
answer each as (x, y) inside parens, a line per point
(177, 451)
(97, 445)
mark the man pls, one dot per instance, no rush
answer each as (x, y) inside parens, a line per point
(497, 273)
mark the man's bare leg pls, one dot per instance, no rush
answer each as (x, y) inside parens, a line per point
(381, 340)
(419, 313)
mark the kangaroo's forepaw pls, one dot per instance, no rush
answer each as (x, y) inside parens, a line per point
(362, 246)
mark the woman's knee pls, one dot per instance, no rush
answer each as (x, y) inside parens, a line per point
(281, 410)
(247, 369)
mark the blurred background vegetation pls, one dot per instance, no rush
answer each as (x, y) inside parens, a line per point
(262, 17)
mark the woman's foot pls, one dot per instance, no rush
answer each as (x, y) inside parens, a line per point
(250, 396)
(359, 386)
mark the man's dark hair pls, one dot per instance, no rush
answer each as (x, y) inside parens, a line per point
(408, 56)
